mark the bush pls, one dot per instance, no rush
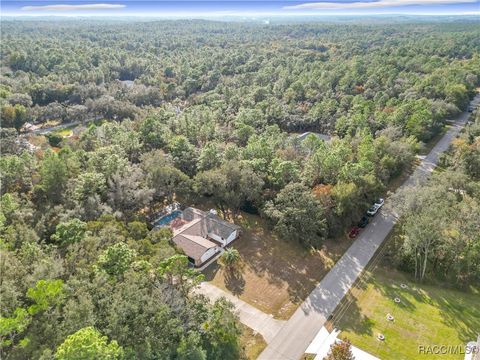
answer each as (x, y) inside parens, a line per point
(54, 140)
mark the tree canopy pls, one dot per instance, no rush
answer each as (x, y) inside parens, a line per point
(143, 114)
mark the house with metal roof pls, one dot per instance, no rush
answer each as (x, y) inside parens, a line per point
(323, 137)
(201, 235)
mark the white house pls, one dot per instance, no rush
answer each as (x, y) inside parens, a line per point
(203, 234)
(472, 350)
(198, 249)
(320, 346)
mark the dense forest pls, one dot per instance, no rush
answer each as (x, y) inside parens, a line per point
(207, 112)
(440, 233)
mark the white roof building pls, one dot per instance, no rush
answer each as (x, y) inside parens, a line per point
(320, 346)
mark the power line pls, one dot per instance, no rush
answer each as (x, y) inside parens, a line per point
(341, 310)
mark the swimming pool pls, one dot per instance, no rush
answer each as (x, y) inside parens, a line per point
(167, 219)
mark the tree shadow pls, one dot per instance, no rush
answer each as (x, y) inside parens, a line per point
(285, 271)
(280, 262)
(235, 282)
(210, 271)
(339, 280)
(460, 315)
(394, 291)
(457, 311)
(348, 317)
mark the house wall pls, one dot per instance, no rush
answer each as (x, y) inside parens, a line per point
(207, 255)
(217, 238)
(224, 242)
(232, 237)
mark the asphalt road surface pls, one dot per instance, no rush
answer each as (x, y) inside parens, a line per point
(297, 333)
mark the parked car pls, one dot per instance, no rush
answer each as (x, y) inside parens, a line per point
(380, 202)
(363, 222)
(375, 207)
(470, 109)
(354, 232)
(373, 210)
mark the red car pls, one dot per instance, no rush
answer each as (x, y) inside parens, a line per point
(354, 232)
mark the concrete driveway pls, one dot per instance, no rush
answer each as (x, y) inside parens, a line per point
(252, 317)
(295, 336)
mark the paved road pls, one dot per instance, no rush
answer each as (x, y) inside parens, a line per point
(249, 315)
(48, 130)
(295, 336)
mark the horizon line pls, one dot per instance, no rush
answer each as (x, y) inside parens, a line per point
(237, 14)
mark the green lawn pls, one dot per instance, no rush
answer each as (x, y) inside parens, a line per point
(427, 315)
(65, 132)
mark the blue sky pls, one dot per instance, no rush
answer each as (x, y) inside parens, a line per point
(226, 8)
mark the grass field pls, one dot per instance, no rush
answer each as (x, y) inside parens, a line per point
(277, 275)
(65, 132)
(427, 315)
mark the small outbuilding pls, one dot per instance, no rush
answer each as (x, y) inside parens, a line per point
(29, 127)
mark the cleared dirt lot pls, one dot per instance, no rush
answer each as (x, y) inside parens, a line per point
(277, 275)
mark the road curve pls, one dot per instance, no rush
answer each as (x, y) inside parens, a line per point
(297, 333)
